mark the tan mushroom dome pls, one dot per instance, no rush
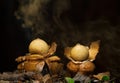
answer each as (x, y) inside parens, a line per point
(79, 52)
(38, 46)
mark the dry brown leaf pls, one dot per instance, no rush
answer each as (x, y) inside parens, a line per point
(100, 75)
(94, 49)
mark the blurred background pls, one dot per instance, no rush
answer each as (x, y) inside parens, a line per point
(13, 38)
(66, 22)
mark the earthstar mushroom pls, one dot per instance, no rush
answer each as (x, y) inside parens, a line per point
(39, 54)
(82, 56)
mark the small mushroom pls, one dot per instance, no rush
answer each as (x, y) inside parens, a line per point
(39, 54)
(81, 56)
(79, 52)
(38, 46)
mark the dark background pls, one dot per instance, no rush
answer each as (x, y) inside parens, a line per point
(14, 39)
